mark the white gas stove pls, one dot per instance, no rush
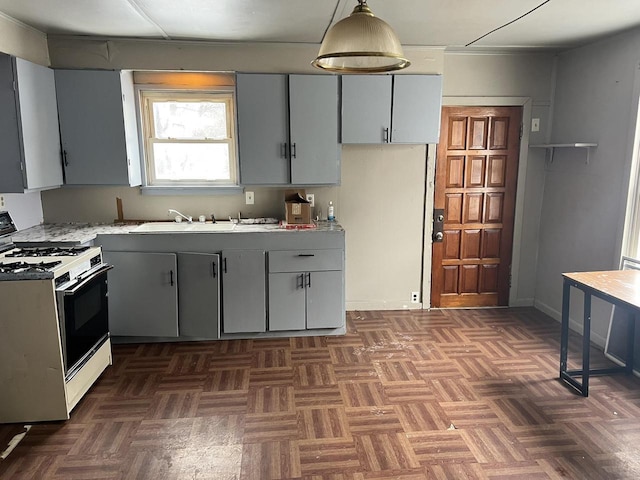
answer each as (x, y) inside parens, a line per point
(55, 325)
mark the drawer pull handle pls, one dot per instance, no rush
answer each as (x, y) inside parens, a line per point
(306, 255)
(213, 270)
(300, 284)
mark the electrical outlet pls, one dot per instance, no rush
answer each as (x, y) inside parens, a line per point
(1, 201)
(415, 297)
(311, 198)
(248, 198)
(535, 124)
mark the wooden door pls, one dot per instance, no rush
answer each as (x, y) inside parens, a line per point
(476, 173)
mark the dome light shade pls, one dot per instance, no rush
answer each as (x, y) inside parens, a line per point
(361, 43)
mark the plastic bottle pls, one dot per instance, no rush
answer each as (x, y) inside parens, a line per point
(330, 215)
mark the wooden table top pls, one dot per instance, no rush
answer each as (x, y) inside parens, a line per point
(623, 285)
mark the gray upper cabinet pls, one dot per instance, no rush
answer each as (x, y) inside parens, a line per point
(391, 108)
(417, 102)
(98, 127)
(315, 152)
(366, 108)
(30, 157)
(263, 133)
(288, 129)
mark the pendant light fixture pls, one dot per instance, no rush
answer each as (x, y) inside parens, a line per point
(361, 43)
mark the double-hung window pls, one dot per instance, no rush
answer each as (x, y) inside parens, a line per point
(189, 138)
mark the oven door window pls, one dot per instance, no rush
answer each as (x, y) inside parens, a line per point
(86, 320)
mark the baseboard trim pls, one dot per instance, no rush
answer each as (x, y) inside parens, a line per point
(365, 306)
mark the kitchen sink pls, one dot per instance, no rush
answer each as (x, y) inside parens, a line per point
(183, 227)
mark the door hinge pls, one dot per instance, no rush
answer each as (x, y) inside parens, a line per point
(521, 130)
(15, 86)
(509, 279)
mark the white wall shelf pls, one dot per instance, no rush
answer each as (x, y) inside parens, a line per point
(552, 146)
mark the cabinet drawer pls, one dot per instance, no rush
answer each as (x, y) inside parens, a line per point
(305, 260)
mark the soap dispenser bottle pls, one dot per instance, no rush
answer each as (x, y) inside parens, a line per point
(330, 213)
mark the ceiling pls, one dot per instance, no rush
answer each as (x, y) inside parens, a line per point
(557, 24)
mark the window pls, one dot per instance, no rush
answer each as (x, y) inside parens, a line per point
(189, 138)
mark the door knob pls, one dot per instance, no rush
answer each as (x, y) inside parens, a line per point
(438, 236)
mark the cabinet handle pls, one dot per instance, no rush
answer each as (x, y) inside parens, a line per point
(306, 255)
(64, 158)
(309, 280)
(213, 269)
(385, 137)
(171, 277)
(293, 150)
(224, 264)
(300, 284)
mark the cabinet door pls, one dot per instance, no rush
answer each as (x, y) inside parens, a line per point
(92, 127)
(263, 129)
(198, 295)
(417, 101)
(315, 153)
(39, 122)
(325, 302)
(366, 108)
(11, 180)
(287, 301)
(243, 291)
(143, 294)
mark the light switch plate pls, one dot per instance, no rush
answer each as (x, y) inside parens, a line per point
(535, 124)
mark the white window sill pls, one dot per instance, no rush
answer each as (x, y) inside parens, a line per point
(221, 190)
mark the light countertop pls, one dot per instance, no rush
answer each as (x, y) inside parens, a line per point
(80, 233)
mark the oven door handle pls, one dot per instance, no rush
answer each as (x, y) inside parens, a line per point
(92, 274)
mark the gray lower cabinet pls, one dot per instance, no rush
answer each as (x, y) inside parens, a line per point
(306, 289)
(143, 294)
(325, 303)
(244, 291)
(29, 133)
(199, 295)
(98, 127)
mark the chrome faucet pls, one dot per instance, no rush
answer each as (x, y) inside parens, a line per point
(187, 218)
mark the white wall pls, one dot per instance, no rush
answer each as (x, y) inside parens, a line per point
(584, 205)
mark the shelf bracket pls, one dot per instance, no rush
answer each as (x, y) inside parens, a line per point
(550, 148)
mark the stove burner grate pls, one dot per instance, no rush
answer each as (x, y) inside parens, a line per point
(47, 252)
(26, 267)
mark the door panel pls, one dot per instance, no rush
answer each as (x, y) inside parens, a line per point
(455, 169)
(476, 173)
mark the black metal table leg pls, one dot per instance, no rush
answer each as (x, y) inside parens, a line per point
(631, 337)
(564, 335)
(586, 344)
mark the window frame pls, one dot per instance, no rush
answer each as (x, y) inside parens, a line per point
(146, 94)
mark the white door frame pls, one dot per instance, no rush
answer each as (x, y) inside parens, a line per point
(525, 103)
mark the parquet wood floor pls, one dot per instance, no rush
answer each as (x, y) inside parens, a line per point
(407, 395)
